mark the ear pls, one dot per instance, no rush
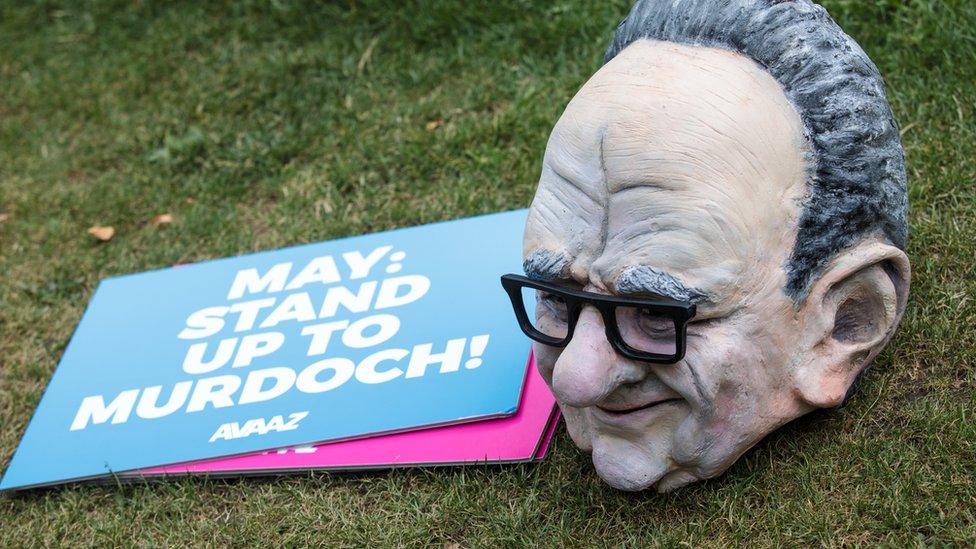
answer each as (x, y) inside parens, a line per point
(848, 317)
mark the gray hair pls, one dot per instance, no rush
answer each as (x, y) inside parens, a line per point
(856, 182)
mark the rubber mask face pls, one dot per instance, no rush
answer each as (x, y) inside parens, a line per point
(675, 171)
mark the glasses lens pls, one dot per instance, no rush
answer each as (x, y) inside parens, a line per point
(547, 312)
(646, 331)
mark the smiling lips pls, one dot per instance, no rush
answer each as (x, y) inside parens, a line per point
(626, 416)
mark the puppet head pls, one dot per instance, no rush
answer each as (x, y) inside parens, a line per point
(738, 156)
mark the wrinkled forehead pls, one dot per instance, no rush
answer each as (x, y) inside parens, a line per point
(674, 165)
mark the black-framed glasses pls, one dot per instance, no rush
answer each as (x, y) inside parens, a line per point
(641, 329)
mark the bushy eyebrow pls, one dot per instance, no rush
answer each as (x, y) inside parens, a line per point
(545, 265)
(643, 279)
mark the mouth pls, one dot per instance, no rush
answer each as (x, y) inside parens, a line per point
(622, 411)
(623, 416)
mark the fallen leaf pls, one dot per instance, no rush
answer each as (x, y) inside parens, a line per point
(161, 219)
(434, 124)
(4, 216)
(102, 233)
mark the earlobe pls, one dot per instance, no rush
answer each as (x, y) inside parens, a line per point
(849, 315)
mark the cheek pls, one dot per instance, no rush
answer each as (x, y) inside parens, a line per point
(576, 423)
(722, 357)
(739, 369)
(743, 371)
(739, 359)
(545, 360)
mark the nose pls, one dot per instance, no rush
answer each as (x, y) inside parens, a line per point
(589, 369)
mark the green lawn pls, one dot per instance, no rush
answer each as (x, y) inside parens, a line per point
(259, 126)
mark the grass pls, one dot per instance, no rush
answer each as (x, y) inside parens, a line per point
(259, 125)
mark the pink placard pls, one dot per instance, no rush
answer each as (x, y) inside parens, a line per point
(547, 437)
(524, 436)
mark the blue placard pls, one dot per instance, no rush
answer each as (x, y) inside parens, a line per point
(370, 334)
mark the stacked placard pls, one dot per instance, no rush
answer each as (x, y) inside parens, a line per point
(384, 350)
(521, 437)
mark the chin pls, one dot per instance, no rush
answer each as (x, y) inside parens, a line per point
(635, 473)
(631, 466)
(633, 453)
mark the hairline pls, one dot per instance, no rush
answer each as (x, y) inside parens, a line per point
(856, 183)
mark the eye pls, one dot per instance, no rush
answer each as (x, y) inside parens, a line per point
(654, 324)
(553, 304)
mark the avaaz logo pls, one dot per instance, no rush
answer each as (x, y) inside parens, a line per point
(258, 426)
